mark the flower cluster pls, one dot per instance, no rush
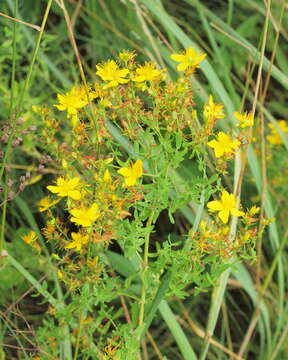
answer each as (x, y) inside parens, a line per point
(138, 119)
(82, 215)
(74, 100)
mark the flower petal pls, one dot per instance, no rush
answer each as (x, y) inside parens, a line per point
(178, 57)
(224, 216)
(124, 171)
(130, 181)
(137, 168)
(183, 66)
(53, 189)
(74, 182)
(215, 205)
(236, 212)
(74, 194)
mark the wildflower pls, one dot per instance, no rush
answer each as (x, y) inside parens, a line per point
(212, 110)
(30, 238)
(45, 203)
(107, 177)
(78, 241)
(274, 138)
(70, 103)
(142, 86)
(189, 59)
(127, 56)
(74, 121)
(253, 210)
(105, 103)
(131, 174)
(111, 73)
(225, 206)
(101, 93)
(146, 72)
(74, 100)
(85, 216)
(223, 145)
(245, 120)
(66, 188)
(41, 110)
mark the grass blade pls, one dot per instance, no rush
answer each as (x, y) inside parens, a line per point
(177, 332)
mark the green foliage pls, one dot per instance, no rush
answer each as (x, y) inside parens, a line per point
(100, 302)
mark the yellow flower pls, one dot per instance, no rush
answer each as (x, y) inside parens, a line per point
(225, 206)
(146, 72)
(275, 138)
(189, 59)
(104, 103)
(245, 120)
(131, 174)
(223, 145)
(45, 203)
(66, 188)
(213, 111)
(127, 56)
(78, 241)
(107, 177)
(85, 216)
(30, 238)
(142, 86)
(41, 110)
(253, 210)
(111, 73)
(74, 100)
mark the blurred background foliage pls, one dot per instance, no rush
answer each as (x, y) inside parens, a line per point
(230, 32)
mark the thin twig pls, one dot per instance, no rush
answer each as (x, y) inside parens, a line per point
(154, 345)
(76, 13)
(216, 27)
(35, 27)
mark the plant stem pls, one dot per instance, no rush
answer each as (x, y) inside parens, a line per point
(145, 268)
(13, 61)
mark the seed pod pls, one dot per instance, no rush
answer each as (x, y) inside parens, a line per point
(11, 195)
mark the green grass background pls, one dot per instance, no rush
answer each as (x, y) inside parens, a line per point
(231, 33)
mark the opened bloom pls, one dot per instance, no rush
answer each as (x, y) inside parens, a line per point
(66, 188)
(146, 72)
(74, 99)
(85, 216)
(131, 174)
(245, 120)
(213, 111)
(111, 73)
(225, 207)
(78, 241)
(30, 238)
(189, 59)
(45, 203)
(274, 138)
(223, 145)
